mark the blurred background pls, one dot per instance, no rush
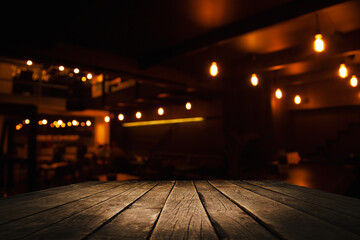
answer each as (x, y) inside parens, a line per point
(182, 89)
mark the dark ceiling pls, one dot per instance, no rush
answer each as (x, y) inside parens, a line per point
(174, 41)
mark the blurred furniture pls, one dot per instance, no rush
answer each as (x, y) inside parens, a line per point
(180, 210)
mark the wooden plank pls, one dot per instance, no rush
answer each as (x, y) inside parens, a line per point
(285, 221)
(33, 223)
(15, 199)
(141, 216)
(344, 221)
(12, 212)
(229, 220)
(82, 224)
(343, 204)
(183, 216)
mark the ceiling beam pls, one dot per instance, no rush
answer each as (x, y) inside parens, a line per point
(261, 20)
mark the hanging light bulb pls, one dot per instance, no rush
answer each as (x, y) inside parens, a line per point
(107, 119)
(121, 117)
(254, 80)
(297, 99)
(29, 62)
(343, 72)
(138, 115)
(278, 93)
(61, 68)
(188, 105)
(353, 81)
(214, 69)
(319, 44)
(161, 111)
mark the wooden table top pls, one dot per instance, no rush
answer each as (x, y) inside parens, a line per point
(180, 210)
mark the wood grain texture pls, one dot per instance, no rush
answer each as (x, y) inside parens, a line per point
(287, 222)
(141, 216)
(22, 209)
(343, 204)
(82, 224)
(229, 220)
(183, 216)
(344, 221)
(33, 223)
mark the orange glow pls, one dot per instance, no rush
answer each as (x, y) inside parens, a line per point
(76, 70)
(27, 121)
(83, 79)
(63, 125)
(69, 124)
(160, 122)
(121, 117)
(254, 80)
(19, 126)
(89, 76)
(75, 123)
(107, 119)
(297, 99)
(44, 121)
(40, 122)
(61, 68)
(213, 69)
(29, 62)
(82, 124)
(353, 81)
(188, 105)
(319, 45)
(60, 122)
(161, 111)
(138, 115)
(343, 72)
(278, 93)
(88, 123)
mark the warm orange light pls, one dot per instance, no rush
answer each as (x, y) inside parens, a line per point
(75, 123)
(343, 72)
(297, 99)
(278, 93)
(188, 105)
(121, 117)
(82, 124)
(63, 125)
(76, 70)
(214, 69)
(138, 115)
(29, 62)
(60, 122)
(40, 122)
(107, 119)
(44, 121)
(88, 123)
(254, 80)
(353, 81)
(319, 44)
(27, 121)
(83, 79)
(61, 68)
(69, 124)
(19, 126)
(161, 111)
(89, 76)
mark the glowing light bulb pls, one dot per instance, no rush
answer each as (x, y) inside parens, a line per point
(69, 124)
(83, 79)
(254, 80)
(353, 81)
(297, 99)
(29, 62)
(82, 124)
(27, 121)
(138, 115)
(319, 44)
(76, 70)
(214, 69)
(89, 76)
(75, 123)
(61, 68)
(343, 72)
(161, 111)
(88, 123)
(44, 122)
(121, 117)
(188, 105)
(107, 119)
(60, 122)
(278, 93)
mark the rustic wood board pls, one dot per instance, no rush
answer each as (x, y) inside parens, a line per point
(179, 210)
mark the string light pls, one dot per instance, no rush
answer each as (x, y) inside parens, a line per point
(76, 70)
(75, 123)
(138, 115)
(44, 122)
(89, 76)
(319, 45)
(29, 62)
(69, 124)
(107, 119)
(60, 122)
(353, 81)
(61, 68)
(254, 80)
(88, 123)
(214, 69)
(83, 79)
(161, 111)
(278, 93)
(297, 99)
(27, 121)
(343, 72)
(121, 117)
(188, 105)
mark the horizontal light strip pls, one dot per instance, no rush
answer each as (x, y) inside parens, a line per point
(158, 122)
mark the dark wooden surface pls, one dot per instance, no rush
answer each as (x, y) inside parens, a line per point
(180, 210)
